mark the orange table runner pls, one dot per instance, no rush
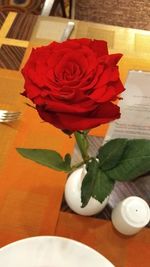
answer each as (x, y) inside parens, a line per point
(30, 194)
(122, 251)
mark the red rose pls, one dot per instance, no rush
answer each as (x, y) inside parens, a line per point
(73, 83)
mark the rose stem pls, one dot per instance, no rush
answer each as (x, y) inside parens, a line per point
(82, 142)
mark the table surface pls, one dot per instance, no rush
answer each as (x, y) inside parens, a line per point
(30, 194)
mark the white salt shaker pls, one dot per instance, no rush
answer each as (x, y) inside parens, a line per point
(131, 215)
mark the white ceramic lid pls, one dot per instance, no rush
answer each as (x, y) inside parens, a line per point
(135, 211)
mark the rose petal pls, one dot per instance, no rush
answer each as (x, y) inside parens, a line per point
(32, 90)
(73, 122)
(78, 108)
(99, 47)
(111, 60)
(107, 92)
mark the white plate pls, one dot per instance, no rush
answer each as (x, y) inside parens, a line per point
(50, 251)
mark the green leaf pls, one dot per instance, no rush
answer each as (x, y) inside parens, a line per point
(135, 161)
(89, 181)
(67, 161)
(103, 186)
(95, 184)
(110, 154)
(46, 157)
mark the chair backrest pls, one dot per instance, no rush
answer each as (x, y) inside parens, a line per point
(47, 7)
(55, 8)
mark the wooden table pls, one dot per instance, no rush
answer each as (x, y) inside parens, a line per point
(30, 194)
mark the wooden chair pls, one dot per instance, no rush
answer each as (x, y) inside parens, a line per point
(50, 7)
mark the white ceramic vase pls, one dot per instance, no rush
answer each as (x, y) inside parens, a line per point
(73, 195)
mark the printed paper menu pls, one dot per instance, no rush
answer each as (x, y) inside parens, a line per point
(134, 107)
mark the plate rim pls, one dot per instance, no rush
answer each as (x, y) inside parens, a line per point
(78, 243)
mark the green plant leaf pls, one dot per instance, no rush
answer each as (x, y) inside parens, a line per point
(103, 186)
(46, 157)
(110, 154)
(67, 161)
(135, 161)
(95, 184)
(89, 181)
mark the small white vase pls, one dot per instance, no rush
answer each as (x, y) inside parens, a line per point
(73, 195)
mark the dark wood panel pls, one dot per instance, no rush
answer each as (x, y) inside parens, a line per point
(30, 6)
(139, 187)
(22, 26)
(11, 57)
(3, 16)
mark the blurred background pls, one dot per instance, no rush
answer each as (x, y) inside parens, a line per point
(129, 13)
